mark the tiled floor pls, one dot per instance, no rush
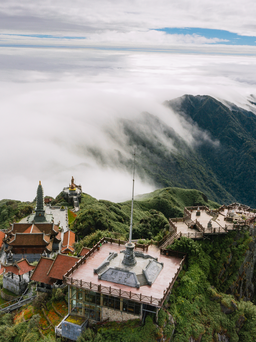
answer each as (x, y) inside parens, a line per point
(171, 264)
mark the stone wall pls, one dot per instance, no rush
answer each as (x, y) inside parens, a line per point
(13, 285)
(115, 315)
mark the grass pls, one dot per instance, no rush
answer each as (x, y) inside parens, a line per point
(61, 307)
(9, 293)
(71, 217)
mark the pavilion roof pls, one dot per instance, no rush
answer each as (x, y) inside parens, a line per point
(34, 239)
(20, 267)
(68, 242)
(41, 270)
(2, 236)
(61, 265)
(47, 228)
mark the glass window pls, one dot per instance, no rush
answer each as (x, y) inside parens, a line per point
(111, 302)
(131, 307)
(92, 297)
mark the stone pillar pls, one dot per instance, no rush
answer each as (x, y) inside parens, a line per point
(83, 308)
(129, 255)
(69, 299)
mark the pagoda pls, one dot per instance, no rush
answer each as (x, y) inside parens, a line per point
(40, 211)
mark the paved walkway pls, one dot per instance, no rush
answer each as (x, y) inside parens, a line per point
(59, 216)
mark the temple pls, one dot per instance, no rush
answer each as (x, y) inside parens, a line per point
(40, 216)
(72, 194)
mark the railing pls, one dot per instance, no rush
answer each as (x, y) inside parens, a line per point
(199, 226)
(171, 223)
(143, 247)
(167, 291)
(196, 235)
(165, 238)
(187, 212)
(201, 207)
(177, 219)
(108, 290)
(218, 230)
(170, 241)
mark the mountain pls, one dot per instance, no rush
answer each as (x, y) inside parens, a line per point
(220, 160)
(233, 162)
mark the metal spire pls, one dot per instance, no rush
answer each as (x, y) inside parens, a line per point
(130, 235)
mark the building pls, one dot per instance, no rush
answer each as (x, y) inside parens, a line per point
(26, 240)
(68, 242)
(17, 276)
(49, 272)
(72, 194)
(40, 216)
(114, 282)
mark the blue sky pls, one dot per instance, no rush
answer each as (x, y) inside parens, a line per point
(228, 38)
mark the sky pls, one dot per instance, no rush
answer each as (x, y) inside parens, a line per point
(70, 69)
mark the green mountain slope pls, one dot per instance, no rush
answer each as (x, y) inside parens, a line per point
(150, 216)
(233, 162)
(11, 210)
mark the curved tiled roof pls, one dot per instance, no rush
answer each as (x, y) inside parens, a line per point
(68, 242)
(41, 270)
(61, 265)
(19, 268)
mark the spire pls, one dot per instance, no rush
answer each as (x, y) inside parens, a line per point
(40, 212)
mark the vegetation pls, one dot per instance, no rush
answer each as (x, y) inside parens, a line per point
(11, 211)
(204, 303)
(130, 331)
(150, 216)
(197, 303)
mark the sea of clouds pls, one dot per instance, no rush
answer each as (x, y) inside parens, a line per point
(56, 104)
(71, 70)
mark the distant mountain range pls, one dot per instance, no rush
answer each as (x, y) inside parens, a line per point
(222, 160)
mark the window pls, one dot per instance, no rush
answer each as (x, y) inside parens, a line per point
(131, 307)
(111, 302)
(92, 297)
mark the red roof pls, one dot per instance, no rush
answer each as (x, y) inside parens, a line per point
(61, 265)
(84, 251)
(32, 229)
(41, 270)
(34, 239)
(20, 267)
(2, 236)
(47, 228)
(68, 242)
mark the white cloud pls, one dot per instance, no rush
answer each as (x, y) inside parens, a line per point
(55, 103)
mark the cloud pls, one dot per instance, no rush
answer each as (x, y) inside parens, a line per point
(56, 104)
(124, 22)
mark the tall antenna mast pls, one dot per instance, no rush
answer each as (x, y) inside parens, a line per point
(133, 177)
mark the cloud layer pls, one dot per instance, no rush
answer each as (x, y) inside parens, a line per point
(56, 103)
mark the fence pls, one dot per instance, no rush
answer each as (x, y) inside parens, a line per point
(200, 226)
(137, 297)
(196, 235)
(167, 291)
